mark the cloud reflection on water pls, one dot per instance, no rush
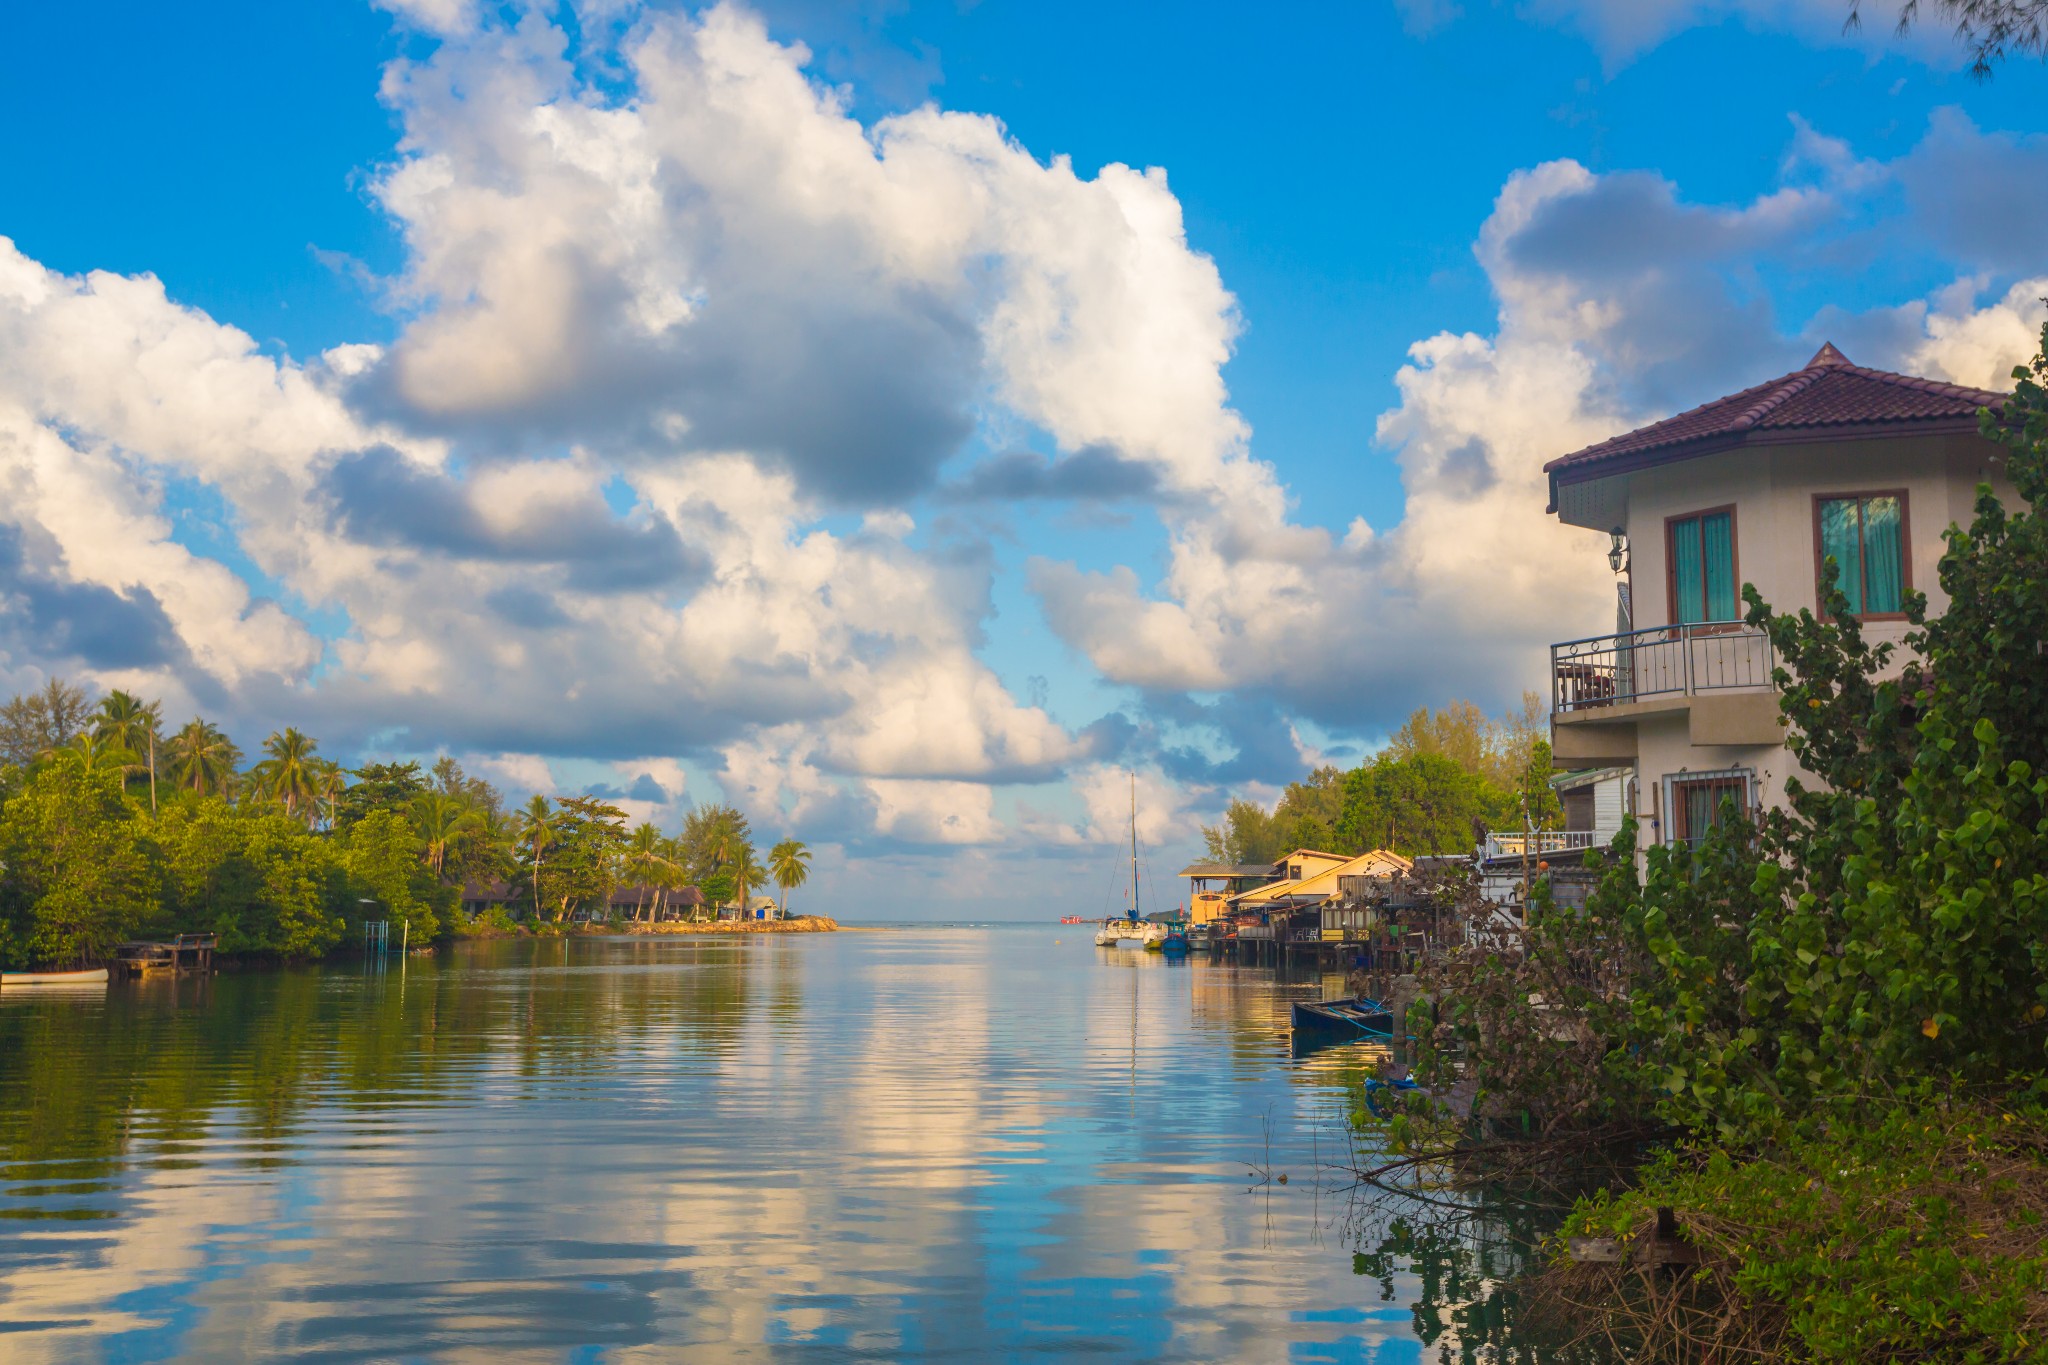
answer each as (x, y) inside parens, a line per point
(891, 1145)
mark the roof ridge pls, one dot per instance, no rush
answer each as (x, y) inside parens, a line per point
(1722, 401)
(1787, 387)
(1777, 404)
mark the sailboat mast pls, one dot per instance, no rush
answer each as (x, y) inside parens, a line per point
(1134, 845)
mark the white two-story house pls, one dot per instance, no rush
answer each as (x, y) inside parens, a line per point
(1757, 487)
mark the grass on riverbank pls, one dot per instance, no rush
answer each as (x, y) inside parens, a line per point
(1922, 1237)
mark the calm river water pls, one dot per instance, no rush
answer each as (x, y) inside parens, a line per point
(929, 1144)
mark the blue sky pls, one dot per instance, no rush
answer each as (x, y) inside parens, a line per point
(1714, 184)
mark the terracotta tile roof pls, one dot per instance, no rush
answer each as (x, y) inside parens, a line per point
(1828, 397)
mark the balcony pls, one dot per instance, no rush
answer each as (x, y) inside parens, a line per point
(1662, 661)
(1542, 843)
(1719, 675)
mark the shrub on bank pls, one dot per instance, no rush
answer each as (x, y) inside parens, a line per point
(1920, 1236)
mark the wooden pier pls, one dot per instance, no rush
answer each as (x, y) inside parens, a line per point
(176, 956)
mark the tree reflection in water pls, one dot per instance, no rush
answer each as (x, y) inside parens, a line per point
(1460, 1257)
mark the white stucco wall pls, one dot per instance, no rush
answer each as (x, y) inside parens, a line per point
(1664, 748)
(1772, 489)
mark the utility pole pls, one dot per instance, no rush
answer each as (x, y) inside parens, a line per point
(1528, 837)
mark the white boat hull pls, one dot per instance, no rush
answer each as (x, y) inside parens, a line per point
(95, 977)
(1119, 931)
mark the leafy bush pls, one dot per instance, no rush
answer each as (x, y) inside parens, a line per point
(1922, 1236)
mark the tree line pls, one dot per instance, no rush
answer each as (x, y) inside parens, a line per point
(1444, 779)
(110, 828)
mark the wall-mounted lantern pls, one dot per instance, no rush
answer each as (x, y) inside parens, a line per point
(1617, 554)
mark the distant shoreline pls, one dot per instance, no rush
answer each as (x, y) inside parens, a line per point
(801, 924)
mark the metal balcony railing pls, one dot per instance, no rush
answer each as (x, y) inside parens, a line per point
(1514, 843)
(1607, 670)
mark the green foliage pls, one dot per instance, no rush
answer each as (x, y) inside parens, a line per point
(290, 772)
(286, 859)
(385, 862)
(790, 864)
(1249, 834)
(256, 877)
(1444, 778)
(1916, 1236)
(573, 853)
(203, 759)
(1424, 803)
(76, 877)
(379, 786)
(717, 846)
(31, 725)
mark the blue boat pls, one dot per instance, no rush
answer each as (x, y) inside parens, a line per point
(1337, 1021)
(1379, 1094)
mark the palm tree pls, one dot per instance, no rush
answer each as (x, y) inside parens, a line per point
(678, 859)
(203, 758)
(537, 825)
(292, 772)
(91, 754)
(493, 833)
(746, 874)
(648, 855)
(330, 780)
(126, 723)
(442, 821)
(790, 861)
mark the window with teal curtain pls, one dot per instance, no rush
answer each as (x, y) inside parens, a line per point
(1866, 539)
(1703, 568)
(1717, 532)
(1841, 539)
(1884, 578)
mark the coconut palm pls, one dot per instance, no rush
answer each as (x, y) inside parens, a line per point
(292, 772)
(330, 780)
(538, 824)
(91, 754)
(126, 722)
(203, 758)
(790, 862)
(648, 855)
(677, 855)
(442, 821)
(746, 874)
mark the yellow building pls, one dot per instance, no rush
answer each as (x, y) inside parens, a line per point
(1315, 878)
(1211, 885)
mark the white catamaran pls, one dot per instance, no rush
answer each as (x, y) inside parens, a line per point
(1131, 927)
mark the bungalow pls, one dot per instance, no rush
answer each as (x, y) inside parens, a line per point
(1319, 877)
(1340, 918)
(1831, 461)
(1211, 885)
(480, 898)
(656, 904)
